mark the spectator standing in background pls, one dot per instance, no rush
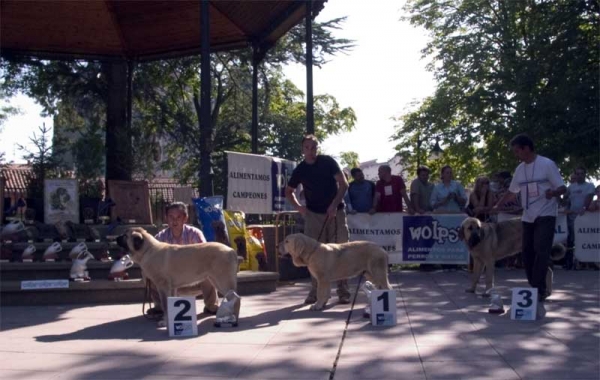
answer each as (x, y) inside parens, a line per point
(390, 190)
(448, 196)
(420, 191)
(361, 193)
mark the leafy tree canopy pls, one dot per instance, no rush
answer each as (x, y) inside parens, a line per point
(166, 103)
(505, 67)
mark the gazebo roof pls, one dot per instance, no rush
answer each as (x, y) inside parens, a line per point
(140, 30)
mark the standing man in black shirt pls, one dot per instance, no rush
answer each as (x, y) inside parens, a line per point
(324, 187)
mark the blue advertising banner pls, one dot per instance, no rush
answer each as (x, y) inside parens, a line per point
(433, 239)
(412, 239)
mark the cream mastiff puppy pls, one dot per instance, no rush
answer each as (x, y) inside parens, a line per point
(490, 242)
(332, 262)
(178, 269)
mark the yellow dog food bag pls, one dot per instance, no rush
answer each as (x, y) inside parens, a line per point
(246, 246)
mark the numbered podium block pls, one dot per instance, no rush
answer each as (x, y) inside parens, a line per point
(383, 307)
(182, 316)
(524, 304)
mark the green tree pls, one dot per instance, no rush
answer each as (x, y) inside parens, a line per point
(44, 160)
(169, 91)
(166, 102)
(350, 159)
(506, 67)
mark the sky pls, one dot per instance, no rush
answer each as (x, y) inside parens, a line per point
(379, 78)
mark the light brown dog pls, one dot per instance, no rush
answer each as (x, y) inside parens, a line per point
(181, 267)
(332, 262)
(490, 242)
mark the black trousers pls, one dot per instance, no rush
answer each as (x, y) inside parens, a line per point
(538, 239)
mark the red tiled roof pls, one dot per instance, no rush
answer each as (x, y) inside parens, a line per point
(18, 176)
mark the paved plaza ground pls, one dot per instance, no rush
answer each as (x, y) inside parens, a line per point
(442, 333)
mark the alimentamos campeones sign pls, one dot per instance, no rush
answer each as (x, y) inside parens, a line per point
(256, 184)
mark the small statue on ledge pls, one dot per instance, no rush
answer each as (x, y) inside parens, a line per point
(27, 255)
(11, 230)
(51, 253)
(118, 271)
(79, 268)
(77, 250)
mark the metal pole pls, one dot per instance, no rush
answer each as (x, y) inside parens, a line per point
(310, 118)
(205, 117)
(254, 131)
(418, 151)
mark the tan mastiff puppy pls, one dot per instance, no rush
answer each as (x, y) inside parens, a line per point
(490, 242)
(332, 262)
(174, 268)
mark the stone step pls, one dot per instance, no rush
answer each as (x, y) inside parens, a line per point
(52, 270)
(12, 252)
(108, 291)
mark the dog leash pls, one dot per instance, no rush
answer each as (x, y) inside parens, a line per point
(148, 299)
(323, 227)
(337, 357)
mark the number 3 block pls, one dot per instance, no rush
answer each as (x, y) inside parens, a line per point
(524, 304)
(383, 308)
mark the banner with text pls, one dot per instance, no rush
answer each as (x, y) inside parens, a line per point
(560, 229)
(256, 184)
(433, 238)
(587, 237)
(412, 239)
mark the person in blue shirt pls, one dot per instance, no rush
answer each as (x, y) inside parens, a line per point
(448, 196)
(361, 193)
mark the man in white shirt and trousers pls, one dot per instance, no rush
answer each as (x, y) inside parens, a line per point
(539, 182)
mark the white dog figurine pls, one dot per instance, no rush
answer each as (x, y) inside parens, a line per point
(79, 268)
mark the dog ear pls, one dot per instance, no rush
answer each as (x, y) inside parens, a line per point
(138, 240)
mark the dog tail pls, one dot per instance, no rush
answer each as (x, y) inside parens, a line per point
(558, 251)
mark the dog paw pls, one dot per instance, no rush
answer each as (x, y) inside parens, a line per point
(316, 307)
(470, 290)
(162, 323)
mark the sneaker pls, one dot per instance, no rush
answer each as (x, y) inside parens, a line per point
(344, 300)
(541, 311)
(310, 300)
(208, 311)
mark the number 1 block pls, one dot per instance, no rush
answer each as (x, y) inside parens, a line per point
(383, 308)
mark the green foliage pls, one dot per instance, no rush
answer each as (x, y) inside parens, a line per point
(166, 106)
(44, 160)
(507, 67)
(350, 159)
(83, 128)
